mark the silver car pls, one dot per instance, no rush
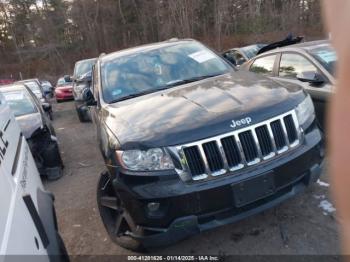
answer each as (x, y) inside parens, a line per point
(310, 64)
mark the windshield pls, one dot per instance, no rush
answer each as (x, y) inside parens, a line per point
(62, 82)
(152, 70)
(20, 102)
(35, 88)
(326, 55)
(83, 67)
(251, 50)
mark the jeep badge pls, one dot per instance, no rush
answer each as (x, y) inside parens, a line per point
(242, 122)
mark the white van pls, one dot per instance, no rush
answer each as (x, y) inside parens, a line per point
(28, 225)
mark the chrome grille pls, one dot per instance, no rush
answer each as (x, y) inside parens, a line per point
(238, 149)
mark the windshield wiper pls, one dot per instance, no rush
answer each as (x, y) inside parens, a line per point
(189, 80)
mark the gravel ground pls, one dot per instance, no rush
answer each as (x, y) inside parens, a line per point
(303, 225)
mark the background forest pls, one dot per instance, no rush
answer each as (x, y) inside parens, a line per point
(44, 38)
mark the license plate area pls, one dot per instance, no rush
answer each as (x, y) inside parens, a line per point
(253, 189)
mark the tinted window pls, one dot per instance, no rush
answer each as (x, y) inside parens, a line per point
(293, 64)
(263, 65)
(20, 102)
(153, 69)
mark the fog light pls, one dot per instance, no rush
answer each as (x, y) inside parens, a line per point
(153, 206)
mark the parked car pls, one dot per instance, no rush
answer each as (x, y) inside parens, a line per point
(48, 88)
(64, 89)
(191, 144)
(36, 128)
(6, 81)
(82, 80)
(35, 86)
(238, 56)
(310, 64)
(28, 226)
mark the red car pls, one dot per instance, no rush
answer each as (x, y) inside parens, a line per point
(64, 89)
(6, 81)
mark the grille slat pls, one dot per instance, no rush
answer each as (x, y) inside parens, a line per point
(290, 127)
(277, 131)
(241, 148)
(213, 156)
(264, 140)
(231, 150)
(248, 145)
(194, 160)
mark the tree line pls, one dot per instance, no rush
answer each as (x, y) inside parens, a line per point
(45, 37)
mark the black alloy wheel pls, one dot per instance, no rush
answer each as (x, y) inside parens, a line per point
(117, 221)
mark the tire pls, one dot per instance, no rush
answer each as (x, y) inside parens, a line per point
(80, 115)
(115, 217)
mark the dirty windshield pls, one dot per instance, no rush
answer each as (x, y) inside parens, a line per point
(159, 68)
(20, 102)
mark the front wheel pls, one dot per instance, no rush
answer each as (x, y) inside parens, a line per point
(115, 217)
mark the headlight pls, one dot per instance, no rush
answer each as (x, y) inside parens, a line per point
(42, 100)
(305, 111)
(150, 160)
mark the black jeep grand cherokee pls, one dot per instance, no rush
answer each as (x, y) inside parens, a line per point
(191, 144)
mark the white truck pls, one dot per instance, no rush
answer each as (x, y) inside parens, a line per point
(28, 225)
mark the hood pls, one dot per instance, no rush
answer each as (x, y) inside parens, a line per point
(198, 110)
(29, 124)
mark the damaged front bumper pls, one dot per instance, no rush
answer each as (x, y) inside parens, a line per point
(45, 150)
(185, 210)
(184, 227)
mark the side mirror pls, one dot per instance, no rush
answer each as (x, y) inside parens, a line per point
(313, 78)
(89, 97)
(46, 107)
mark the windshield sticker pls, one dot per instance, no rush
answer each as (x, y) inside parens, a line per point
(117, 92)
(327, 56)
(202, 56)
(13, 96)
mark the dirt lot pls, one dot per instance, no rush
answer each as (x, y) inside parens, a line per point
(303, 225)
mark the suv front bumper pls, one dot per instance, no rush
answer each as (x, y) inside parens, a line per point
(187, 209)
